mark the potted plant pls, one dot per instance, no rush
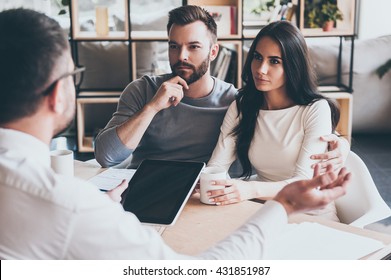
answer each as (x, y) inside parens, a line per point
(324, 15)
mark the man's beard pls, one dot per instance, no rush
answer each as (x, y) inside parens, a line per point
(197, 72)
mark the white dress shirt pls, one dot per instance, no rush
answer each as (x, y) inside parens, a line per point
(48, 216)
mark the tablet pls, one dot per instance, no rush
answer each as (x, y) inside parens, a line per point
(159, 190)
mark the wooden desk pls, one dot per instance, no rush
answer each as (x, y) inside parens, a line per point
(200, 225)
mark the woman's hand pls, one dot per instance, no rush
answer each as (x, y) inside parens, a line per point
(235, 191)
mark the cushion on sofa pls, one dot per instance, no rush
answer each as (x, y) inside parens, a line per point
(106, 64)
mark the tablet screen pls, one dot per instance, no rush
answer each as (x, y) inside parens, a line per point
(159, 189)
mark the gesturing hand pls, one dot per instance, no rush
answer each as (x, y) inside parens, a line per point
(305, 195)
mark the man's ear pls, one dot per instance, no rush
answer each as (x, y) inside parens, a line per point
(214, 51)
(56, 99)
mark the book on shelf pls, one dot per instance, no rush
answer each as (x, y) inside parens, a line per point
(219, 66)
(216, 64)
(234, 19)
(225, 17)
(231, 75)
(224, 67)
(291, 11)
(282, 13)
(222, 72)
(275, 13)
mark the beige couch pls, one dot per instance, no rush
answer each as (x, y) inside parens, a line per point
(371, 95)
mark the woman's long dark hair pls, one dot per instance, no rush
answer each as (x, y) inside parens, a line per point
(300, 84)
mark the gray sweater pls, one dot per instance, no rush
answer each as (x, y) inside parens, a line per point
(188, 131)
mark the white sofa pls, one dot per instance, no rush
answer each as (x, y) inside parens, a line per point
(371, 95)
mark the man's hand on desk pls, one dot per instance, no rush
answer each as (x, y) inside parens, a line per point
(115, 194)
(305, 195)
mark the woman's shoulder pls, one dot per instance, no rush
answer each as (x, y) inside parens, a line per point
(233, 108)
(320, 105)
(318, 110)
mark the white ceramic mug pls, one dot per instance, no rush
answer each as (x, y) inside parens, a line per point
(209, 174)
(62, 162)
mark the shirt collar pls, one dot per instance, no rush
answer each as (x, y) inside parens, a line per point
(26, 144)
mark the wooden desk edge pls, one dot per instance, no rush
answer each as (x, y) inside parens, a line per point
(86, 171)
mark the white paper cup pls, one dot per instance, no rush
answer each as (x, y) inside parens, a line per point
(207, 175)
(62, 162)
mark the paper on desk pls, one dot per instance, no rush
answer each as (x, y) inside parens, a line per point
(312, 241)
(111, 178)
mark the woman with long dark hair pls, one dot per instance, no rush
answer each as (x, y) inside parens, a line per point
(275, 124)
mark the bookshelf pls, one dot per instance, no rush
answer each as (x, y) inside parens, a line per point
(133, 34)
(92, 22)
(344, 27)
(344, 30)
(229, 16)
(93, 109)
(144, 50)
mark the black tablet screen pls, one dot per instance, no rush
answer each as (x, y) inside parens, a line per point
(159, 188)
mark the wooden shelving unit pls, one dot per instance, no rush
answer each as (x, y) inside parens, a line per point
(93, 100)
(90, 102)
(343, 29)
(101, 20)
(345, 101)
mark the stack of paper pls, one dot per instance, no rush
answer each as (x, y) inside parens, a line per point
(312, 241)
(111, 178)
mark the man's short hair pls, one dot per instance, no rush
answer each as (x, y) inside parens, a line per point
(188, 14)
(31, 45)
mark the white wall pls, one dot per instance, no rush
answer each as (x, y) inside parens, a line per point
(374, 18)
(44, 6)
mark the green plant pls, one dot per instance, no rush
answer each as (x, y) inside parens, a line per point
(267, 5)
(324, 12)
(330, 12)
(263, 6)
